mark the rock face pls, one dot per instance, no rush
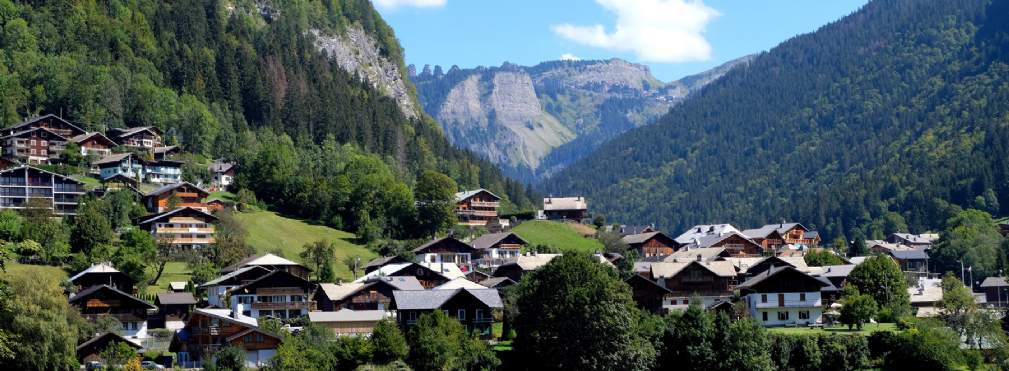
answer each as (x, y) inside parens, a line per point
(357, 52)
(534, 121)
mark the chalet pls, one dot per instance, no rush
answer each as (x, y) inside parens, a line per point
(566, 208)
(459, 283)
(735, 244)
(651, 244)
(428, 275)
(523, 264)
(133, 166)
(36, 146)
(474, 308)
(165, 152)
(494, 249)
(772, 237)
(446, 250)
(209, 330)
(924, 240)
(349, 322)
(711, 281)
(53, 123)
(476, 207)
(837, 274)
(996, 291)
(103, 300)
(375, 294)
(163, 171)
(146, 137)
(182, 229)
(783, 296)
(94, 144)
(271, 262)
(217, 289)
(183, 194)
(120, 181)
(913, 262)
(278, 294)
(765, 264)
(19, 184)
(476, 276)
(497, 282)
(383, 261)
(173, 308)
(92, 349)
(698, 231)
(222, 173)
(649, 295)
(626, 230)
(925, 297)
(102, 274)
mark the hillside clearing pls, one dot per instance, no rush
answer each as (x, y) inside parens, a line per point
(566, 237)
(268, 232)
(867, 330)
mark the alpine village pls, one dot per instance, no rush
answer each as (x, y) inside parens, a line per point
(238, 184)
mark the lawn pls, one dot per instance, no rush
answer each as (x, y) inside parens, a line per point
(560, 235)
(269, 232)
(174, 272)
(866, 330)
(15, 269)
(89, 182)
(221, 195)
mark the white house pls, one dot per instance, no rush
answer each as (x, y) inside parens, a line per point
(783, 296)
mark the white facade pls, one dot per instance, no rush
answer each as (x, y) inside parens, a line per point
(460, 259)
(244, 304)
(135, 330)
(788, 308)
(258, 358)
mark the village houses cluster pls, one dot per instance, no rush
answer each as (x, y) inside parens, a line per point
(716, 266)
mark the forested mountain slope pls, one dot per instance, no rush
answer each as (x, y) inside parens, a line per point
(897, 114)
(278, 86)
(534, 121)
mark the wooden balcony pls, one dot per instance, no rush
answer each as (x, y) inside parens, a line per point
(193, 241)
(476, 213)
(485, 204)
(205, 230)
(284, 305)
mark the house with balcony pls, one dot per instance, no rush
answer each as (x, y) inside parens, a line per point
(278, 294)
(102, 274)
(784, 295)
(182, 229)
(372, 294)
(217, 288)
(21, 183)
(36, 146)
(222, 173)
(103, 300)
(173, 308)
(132, 166)
(772, 237)
(476, 207)
(144, 137)
(94, 144)
(429, 275)
(447, 250)
(271, 262)
(208, 330)
(709, 281)
(183, 194)
(922, 240)
(50, 122)
(650, 244)
(494, 249)
(473, 308)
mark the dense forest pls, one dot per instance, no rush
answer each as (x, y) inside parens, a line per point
(894, 117)
(232, 79)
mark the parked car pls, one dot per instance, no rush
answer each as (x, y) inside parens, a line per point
(94, 365)
(151, 365)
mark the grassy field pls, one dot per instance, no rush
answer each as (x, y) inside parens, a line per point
(174, 272)
(89, 182)
(269, 232)
(560, 235)
(15, 269)
(866, 330)
(221, 195)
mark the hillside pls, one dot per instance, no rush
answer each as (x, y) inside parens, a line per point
(270, 233)
(892, 117)
(534, 121)
(565, 237)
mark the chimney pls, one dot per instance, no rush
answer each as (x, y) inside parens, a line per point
(698, 257)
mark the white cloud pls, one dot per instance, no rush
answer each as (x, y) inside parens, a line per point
(569, 57)
(655, 30)
(393, 4)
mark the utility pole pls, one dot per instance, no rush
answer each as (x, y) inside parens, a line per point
(961, 271)
(970, 270)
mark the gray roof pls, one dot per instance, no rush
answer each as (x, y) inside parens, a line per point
(460, 196)
(112, 159)
(774, 271)
(169, 187)
(706, 253)
(767, 229)
(433, 299)
(837, 270)
(233, 274)
(639, 238)
(494, 282)
(994, 282)
(911, 254)
(176, 298)
(488, 240)
(702, 230)
(347, 315)
(340, 291)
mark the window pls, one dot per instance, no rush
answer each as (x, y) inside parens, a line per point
(478, 314)
(461, 314)
(33, 142)
(446, 313)
(674, 302)
(297, 298)
(764, 315)
(803, 314)
(412, 317)
(783, 316)
(265, 313)
(126, 326)
(259, 337)
(802, 296)
(763, 298)
(247, 313)
(245, 299)
(247, 338)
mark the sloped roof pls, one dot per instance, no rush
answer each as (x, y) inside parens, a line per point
(165, 149)
(446, 239)
(342, 290)
(702, 230)
(533, 261)
(289, 275)
(706, 253)
(178, 285)
(40, 118)
(114, 158)
(264, 260)
(461, 196)
(225, 314)
(668, 270)
(766, 230)
(911, 254)
(347, 315)
(565, 203)
(918, 238)
(434, 299)
(448, 270)
(639, 237)
(82, 137)
(93, 289)
(95, 268)
(383, 260)
(339, 291)
(175, 298)
(490, 239)
(220, 167)
(744, 263)
(495, 282)
(856, 260)
(170, 187)
(459, 283)
(155, 217)
(773, 271)
(232, 274)
(385, 270)
(926, 291)
(994, 282)
(836, 270)
(34, 129)
(108, 336)
(131, 131)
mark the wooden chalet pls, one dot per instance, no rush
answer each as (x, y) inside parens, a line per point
(446, 250)
(187, 195)
(375, 294)
(18, 184)
(145, 137)
(797, 262)
(120, 181)
(222, 173)
(566, 208)
(102, 274)
(278, 294)
(497, 282)
(173, 308)
(92, 349)
(104, 300)
(36, 146)
(94, 144)
(648, 294)
(651, 244)
(734, 243)
(523, 264)
(427, 275)
(346, 322)
(773, 237)
(494, 249)
(476, 207)
(711, 281)
(217, 289)
(183, 229)
(271, 262)
(996, 291)
(383, 261)
(474, 308)
(208, 330)
(51, 122)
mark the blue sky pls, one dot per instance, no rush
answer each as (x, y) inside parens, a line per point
(674, 38)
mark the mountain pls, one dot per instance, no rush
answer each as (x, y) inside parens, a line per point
(533, 121)
(893, 117)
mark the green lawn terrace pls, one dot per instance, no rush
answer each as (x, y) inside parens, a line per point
(563, 236)
(866, 330)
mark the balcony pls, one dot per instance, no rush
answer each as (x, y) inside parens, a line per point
(484, 204)
(284, 305)
(773, 303)
(192, 241)
(186, 230)
(476, 213)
